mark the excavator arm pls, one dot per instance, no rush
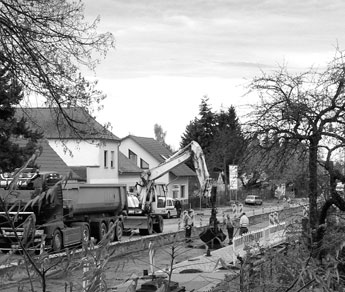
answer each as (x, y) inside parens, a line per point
(191, 151)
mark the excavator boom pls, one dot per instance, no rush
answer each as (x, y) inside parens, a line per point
(192, 150)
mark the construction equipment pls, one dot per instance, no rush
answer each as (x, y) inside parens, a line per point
(63, 215)
(146, 212)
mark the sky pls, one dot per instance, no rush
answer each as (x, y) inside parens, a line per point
(169, 54)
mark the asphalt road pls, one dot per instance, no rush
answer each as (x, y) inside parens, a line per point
(120, 269)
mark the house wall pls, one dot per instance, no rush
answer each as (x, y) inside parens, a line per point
(129, 179)
(176, 185)
(129, 144)
(178, 188)
(91, 155)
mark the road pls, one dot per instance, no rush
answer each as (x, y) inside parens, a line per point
(119, 269)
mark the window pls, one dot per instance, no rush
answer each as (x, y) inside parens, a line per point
(143, 164)
(132, 156)
(183, 191)
(105, 158)
(161, 202)
(176, 191)
(112, 165)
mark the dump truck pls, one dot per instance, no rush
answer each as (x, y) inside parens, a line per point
(65, 214)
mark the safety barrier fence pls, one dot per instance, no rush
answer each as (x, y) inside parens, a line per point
(262, 238)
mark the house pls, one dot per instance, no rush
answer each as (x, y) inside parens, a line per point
(147, 153)
(86, 147)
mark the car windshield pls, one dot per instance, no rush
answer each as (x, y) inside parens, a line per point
(250, 197)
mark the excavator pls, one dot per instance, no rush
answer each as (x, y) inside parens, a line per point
(144, 210)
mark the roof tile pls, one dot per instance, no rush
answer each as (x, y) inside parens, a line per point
(52, 123)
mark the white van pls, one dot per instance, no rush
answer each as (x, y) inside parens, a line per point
(169, 204)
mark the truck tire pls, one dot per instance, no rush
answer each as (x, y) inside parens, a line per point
(118, 231)
(85, 233)
(102, 231)
(158, 227)
(57, 243)
(149, 229)
(112, 236)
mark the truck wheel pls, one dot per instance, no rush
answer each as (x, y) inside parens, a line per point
(85, 233)
(57, 241)
(118, 231)
(149, 229)
(112, 235)
(158, 227)
(102, 231)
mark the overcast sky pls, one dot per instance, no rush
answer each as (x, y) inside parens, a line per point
(169, 54)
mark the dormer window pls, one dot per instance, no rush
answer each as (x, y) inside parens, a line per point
(132, 156)
(143, 164)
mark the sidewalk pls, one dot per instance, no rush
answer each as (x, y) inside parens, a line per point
(201, 273)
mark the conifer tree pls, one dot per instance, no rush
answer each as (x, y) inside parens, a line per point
(11, 129)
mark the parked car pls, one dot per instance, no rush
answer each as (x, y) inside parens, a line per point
(253, 200)
(169, 204)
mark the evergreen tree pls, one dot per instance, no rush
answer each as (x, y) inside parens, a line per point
(11, 154)
(228, 142)
(201, 129)
(219, 135)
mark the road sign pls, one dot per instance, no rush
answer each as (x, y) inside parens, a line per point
(233, 174)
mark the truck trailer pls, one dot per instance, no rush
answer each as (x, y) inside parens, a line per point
(62, 216)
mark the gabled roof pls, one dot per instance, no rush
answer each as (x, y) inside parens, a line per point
(54, 126)
(127, 166)
(49, 160)
(160, 153)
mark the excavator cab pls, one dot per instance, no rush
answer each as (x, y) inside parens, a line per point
(157, 198)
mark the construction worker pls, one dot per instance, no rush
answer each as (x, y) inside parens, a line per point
(229, 227)
(188, 224)
(244, 223)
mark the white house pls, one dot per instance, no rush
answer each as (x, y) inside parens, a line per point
(147, 153)
(86, 147)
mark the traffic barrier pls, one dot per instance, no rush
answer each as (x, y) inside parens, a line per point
(265, 237)
(234, 210)
(305, 211)
(270, 219)
(179, 224)
(151, 257)
(276, 217)
(86, 268)
(240, 209)
(273, 218)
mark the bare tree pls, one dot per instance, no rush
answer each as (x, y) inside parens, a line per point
(303, 109)
(44, 44)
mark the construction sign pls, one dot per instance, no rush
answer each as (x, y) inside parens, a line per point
(233, 175)
(273, 218)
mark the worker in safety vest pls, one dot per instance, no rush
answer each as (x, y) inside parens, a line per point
(244, 223)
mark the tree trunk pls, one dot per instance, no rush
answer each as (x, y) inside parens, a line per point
(313, 213)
